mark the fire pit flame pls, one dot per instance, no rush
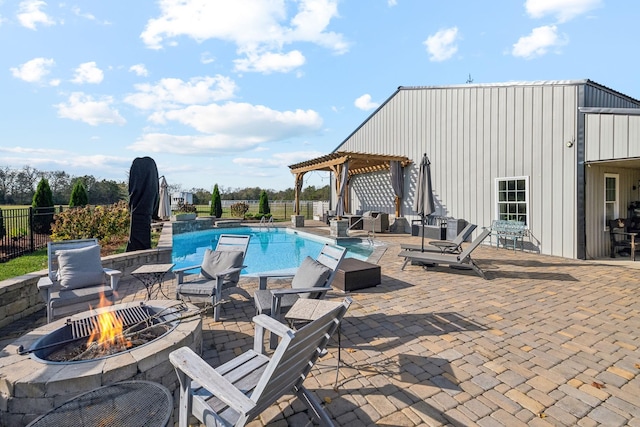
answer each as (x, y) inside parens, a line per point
(108, 329)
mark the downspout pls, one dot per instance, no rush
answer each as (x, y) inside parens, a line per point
(581, 190)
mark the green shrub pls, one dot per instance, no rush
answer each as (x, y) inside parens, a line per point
(263, 207)
(43, 208)
(248, 215)
(216, 203)
(239, 209)
(186, 208)
(107, 223)
(79, 195)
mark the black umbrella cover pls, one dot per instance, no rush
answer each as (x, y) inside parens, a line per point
(143, 202)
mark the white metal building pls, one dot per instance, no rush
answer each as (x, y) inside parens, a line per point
(554, 148)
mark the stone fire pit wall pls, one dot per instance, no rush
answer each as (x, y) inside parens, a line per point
(29, 388)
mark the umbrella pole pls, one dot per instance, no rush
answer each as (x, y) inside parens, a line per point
(422, 250)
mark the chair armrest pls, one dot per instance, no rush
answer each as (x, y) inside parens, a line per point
(187, 361)
(263, 322)
(181, 272)
(275, 274)
(114, 277)
(45, 286)
(44, 283)
(229, 271)
(279, 293)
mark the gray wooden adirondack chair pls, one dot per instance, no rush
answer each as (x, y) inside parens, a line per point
(76, 278)
(238, 391)
(219, 272)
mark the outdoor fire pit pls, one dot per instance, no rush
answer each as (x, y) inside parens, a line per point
(42, 370)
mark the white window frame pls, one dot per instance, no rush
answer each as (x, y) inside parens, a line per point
(615, 203)
(526, 193)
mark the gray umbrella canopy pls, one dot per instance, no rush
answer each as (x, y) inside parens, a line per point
(423, 203)
(164, 208)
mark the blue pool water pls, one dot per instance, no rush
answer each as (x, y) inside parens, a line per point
(272, 249)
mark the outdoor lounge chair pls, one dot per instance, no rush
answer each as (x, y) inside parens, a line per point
(76, 277)
(443, 246)
(219, 272)
(237, 392)
(453, 260)
(311, 280)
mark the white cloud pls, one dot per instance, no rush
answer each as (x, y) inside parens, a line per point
(257, 122)
(84, 108)
(442, 45)
(229, 128)
(139, 69)
(88, 72)
(364, 103)
(33, 71)
(391, 3)
(538, 42)
(278, 160)
(269, 62)
(206, 58)
(76, 11)
(191, 144)
(30, 14)
(256, 27)
(562, 10)
(174, 93)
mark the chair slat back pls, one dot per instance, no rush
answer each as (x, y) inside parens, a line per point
(467, 252)
(295, 356)
(52, 247)
(331, 256)
(233, 242)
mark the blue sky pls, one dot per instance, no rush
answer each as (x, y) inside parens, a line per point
(232, 92)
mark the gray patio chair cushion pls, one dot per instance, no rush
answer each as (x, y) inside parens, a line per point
(217, 261)
(79, 268)
(310, 274)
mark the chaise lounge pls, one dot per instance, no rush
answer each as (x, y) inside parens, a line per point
(461, 260)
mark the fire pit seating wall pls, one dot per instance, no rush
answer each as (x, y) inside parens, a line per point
(20, 296)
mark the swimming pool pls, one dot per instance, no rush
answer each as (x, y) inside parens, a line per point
(269, 249)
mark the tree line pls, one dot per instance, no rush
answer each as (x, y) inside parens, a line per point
(17, 187)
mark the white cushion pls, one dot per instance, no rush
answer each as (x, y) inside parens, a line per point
(310, 274)
(79, 268)
(217, 261)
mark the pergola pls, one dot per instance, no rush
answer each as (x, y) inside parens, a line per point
(358, 163)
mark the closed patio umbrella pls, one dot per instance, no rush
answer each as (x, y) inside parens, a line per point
(423, 203)
(164, 208)
(343, 185)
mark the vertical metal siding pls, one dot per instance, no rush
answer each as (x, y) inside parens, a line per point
(612, 136)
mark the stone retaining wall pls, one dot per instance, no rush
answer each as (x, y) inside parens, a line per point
(19, 296)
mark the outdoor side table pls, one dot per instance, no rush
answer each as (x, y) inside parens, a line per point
(305, 310)
(151, 275)
(127, 403)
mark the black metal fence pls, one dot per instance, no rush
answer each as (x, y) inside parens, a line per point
(25, 230)
(280, 210)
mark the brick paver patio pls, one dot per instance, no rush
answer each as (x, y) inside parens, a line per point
(546, 341)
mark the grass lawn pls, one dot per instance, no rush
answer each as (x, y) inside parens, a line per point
(25, 264)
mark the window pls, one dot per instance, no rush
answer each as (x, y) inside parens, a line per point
(611, 198)
(513, 199)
